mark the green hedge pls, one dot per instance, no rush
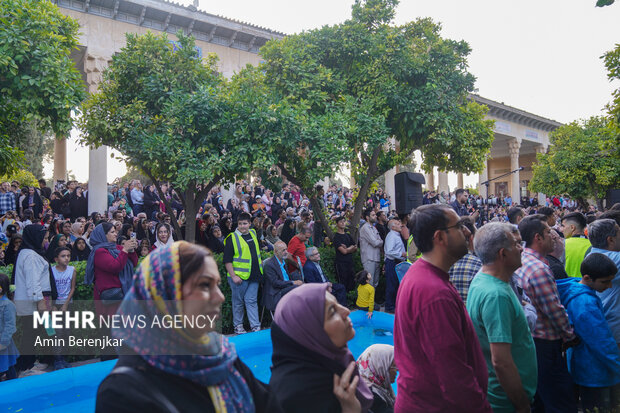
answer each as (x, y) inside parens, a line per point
(328, 254)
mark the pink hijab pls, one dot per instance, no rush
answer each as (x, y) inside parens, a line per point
(307, 303)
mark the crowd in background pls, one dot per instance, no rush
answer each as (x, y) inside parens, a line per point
(539, 252)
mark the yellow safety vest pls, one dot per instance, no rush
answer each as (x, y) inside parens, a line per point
(575, 250)
(242, 258)
(409, 243)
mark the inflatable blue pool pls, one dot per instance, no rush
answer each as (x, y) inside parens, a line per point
(74, 390)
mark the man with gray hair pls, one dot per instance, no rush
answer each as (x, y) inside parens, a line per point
(313, 273)
(500, 322)
(605, 238)
(394, 254)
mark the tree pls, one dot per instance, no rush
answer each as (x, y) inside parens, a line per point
(38, 80)
(25, 178)
(612, 63)
(169, 113)
(583, 161)
(369, 94)
(36, 145)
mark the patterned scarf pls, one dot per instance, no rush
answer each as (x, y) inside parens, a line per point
(207, 361)
(374, 367)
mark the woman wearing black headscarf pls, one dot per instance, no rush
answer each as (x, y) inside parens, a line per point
(33, 201)
(80, 250)
(141, 230)
(78, 204)
(33, 288)
(288, 231)
(12, 249)
(216, 240)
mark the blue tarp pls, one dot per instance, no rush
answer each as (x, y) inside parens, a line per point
(74, 389)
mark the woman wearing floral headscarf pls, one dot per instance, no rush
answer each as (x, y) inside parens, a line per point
(378, 371)
(179, 370)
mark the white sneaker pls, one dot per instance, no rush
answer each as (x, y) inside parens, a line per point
(255, 329)
(240, 330)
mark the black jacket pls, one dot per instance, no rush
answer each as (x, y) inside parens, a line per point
(78, 206)
(154, 391)
(275, 286)
(304, 379)
(37, 209)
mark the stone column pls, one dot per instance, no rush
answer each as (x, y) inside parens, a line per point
(390, 188)
(60, 160)
(430, 181)
(542, 198)
(97, 158)
(483, 177)
(459, 181)
(443, 182)
(513, 147)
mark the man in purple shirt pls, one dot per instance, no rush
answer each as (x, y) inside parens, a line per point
(436, 349)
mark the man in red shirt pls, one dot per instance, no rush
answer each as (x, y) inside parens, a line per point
(436, 348)
(297, 247)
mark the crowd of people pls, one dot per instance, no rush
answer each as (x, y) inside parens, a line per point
(495, 293)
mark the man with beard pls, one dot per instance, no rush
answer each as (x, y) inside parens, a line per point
(436, 349)
(553, 333)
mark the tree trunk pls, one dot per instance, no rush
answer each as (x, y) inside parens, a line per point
(193, 200)
(360, 201)
(318, 213)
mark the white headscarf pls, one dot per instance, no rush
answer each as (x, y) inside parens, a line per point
(158, 243)
(374, 368)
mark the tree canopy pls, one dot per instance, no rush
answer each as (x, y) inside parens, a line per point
(38, 79)
(368, 93)
(612, 63)
(583, 161)
(169, 113)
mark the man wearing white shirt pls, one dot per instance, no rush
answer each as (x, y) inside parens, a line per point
(394, 254)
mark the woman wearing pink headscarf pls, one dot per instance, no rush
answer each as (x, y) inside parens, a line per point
(313, 369)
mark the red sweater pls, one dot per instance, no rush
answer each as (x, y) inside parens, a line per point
(108, 269)
(436, 349)
(297, 249)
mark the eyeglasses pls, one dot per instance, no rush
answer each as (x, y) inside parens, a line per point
(458, 225)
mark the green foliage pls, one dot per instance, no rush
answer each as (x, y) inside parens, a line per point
(38, 146)
(612, 63)
(346, 93)
(25, 178)
(38, 79)
(583, 160)
(170, 115)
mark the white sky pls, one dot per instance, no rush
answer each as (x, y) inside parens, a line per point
(538, 56)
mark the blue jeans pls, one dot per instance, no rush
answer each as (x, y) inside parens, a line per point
(555, 392)
(244, 294)
(391, 285)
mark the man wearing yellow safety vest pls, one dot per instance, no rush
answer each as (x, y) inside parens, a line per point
(577, 246)
(243, 265)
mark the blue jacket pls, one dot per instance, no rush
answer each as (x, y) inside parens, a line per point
(596, 361)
